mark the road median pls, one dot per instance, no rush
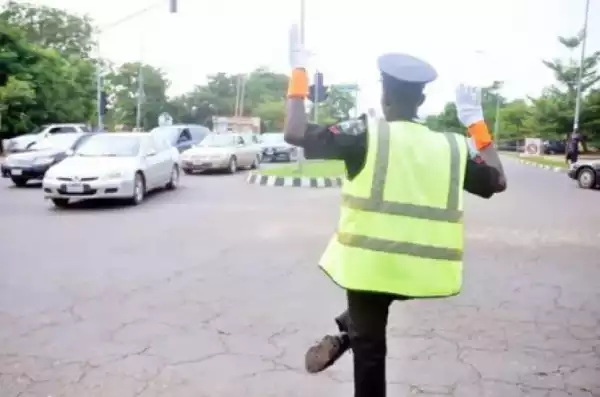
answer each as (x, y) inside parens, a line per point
(311, 174)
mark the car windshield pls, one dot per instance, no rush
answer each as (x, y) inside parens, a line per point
(272, 138)
(167, 133)
(110, 145)
(217, 140)
(57, 141)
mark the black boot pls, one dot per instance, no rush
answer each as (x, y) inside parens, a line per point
(325, 353)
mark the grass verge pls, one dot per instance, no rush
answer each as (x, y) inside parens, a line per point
(309, 169)
(543, 160)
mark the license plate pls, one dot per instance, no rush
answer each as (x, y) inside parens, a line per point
(75, 188)
(16, 172)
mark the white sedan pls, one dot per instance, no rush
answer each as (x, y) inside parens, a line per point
(113, 166)
(221, 152)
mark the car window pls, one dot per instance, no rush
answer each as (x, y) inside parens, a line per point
(185, 135)
(84, 128)
(57, 141)
(67, 129)
(55, 130)
(198, 133)
(110, 145)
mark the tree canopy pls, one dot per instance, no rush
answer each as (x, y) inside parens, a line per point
(47, 55)
(551, 114)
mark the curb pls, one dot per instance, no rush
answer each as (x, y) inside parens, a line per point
(293, 181)
(543, 166)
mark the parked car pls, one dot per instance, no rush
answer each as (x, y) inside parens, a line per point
(586, 173)
(275, 148)
(253, 140)
(182, 136)
(221, 151)
(33, 163)
(23, 142)
(113, 166)
(554, 146)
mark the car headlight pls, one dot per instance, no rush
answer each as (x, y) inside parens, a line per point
(114, 175)
(43, 160)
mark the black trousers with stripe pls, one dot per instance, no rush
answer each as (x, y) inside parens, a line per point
(365, 321)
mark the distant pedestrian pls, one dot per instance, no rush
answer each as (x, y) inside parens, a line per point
(573, 147)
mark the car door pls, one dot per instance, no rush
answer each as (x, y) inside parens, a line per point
(184, 140)
(164, 159)
(242, 150)
(152, 163)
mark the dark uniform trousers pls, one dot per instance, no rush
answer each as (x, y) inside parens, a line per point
(365, 321)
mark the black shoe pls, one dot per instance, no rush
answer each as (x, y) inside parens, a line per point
(325, 353)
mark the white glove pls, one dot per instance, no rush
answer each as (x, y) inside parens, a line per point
(298, 54)
(468, 105)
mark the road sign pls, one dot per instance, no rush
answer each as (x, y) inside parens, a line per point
(165, 119)
(533, 147)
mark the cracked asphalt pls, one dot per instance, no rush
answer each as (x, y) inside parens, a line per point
(213, 291)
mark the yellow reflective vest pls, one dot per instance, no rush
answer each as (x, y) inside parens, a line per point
(401, 221)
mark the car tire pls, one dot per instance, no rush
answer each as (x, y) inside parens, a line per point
(19, 182)
(232, 166)
(586, 178)
(174, 181)
(60, 202)
(255, 164)
(139, 189)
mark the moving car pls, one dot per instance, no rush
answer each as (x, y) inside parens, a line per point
(113, 165)
(35, 161)
(275, 148)
(586, 173)
(22, 142)
(182, 137)
(554, 146)
(221, 151)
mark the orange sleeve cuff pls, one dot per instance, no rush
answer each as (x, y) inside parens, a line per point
(298, 84)
(480, 134)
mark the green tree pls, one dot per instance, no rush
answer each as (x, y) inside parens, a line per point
(122, 87)
(50, 27)
(61, 86)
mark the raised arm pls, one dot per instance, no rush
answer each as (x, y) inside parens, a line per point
(470, 114)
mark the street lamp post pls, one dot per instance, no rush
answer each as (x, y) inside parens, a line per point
(99, 77)
(580, 74)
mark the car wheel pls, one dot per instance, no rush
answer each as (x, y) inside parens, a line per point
(19, 182)
(255, 163)
(139, 189)
(232, 167)
(586, 178)
(60, 202)
(174, 181)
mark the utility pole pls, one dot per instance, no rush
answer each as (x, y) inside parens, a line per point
(99, 71)
(580, 74)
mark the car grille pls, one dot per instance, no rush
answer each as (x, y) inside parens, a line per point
(86, 179)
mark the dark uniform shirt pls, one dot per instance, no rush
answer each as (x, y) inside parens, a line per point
(347, 141)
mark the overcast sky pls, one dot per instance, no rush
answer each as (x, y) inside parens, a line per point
(347, 36)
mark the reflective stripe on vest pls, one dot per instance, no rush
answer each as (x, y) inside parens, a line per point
(376, 203)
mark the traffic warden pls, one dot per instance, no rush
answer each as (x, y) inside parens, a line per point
(400, 233)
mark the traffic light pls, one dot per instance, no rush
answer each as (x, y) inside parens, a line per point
(317, 92)
(103, 103)
(173, 6)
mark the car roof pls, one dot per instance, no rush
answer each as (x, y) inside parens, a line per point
(121, 134)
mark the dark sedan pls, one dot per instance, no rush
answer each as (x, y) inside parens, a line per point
(32, 164)
(586, 173)
(275, 148)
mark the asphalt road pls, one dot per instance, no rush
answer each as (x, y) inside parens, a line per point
(212, 290)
